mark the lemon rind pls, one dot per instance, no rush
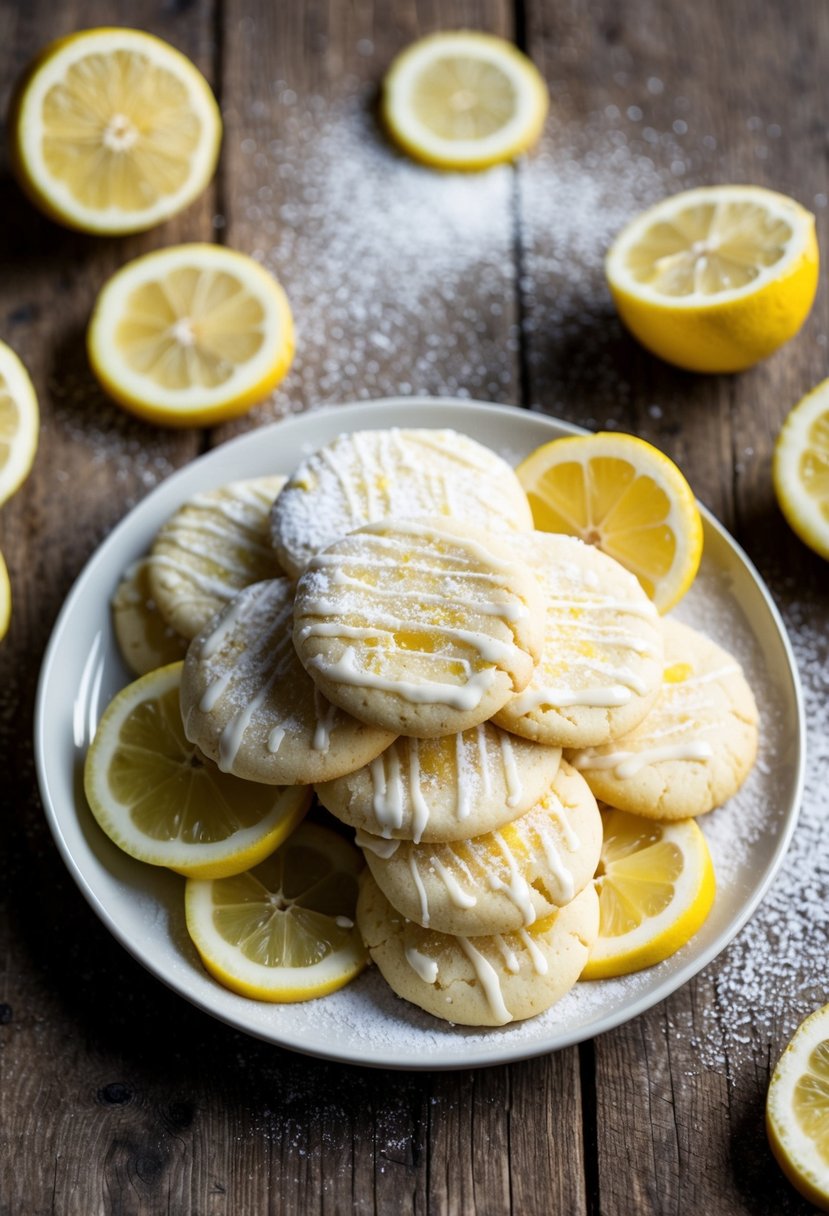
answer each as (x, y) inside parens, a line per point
(26, 128)
(785, 1141)
(801, 220)
(674, 927)
(506, 144)
(24, 447)
(195, 406)
(799, 508)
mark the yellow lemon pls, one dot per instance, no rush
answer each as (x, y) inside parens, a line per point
(19, 422)
(797, 1109)
(113, 131)
(716, 279)
(191, 335)
(801, 469)
(284, 931)
(464, 100)
(5, 599)
(626, 497)
(656, 885)
(161, 801)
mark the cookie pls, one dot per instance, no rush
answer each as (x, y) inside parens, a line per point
(249, 705)
(482, 981)
(441, 789)
(373, 475)
(602, 658)
(214, 545)
(501, 881)
(695, 747)
(424, 627)
(144, 638)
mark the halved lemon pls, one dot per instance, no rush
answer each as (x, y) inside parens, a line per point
(113, 131)
(19, 422)
(464, 100)
(626, 497)
(797, 1109)
(284, 931)
(191, 335)
(656, 886)
(160, 800)
(5, 599)
(716, 279)
(801, 469)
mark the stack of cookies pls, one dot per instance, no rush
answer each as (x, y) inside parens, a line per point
(458, 688)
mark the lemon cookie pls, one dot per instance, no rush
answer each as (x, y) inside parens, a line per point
(424, 627)
(248, 704)
(215, 544)
(144, 638)
(449, 788)
(503, 880)
(695, 747)
(602, 659)
(372, 475)
(482, 981)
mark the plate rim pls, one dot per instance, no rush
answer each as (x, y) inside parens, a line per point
(442, 1059)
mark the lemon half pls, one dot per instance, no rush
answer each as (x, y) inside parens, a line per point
(623, 495)
(113, 131)
(797, 1109)
(161, 801)
(656, 886)
(284, 931)
(19, 422)
(464, 100)
(191, 335)
(716, 279)
(801, 469)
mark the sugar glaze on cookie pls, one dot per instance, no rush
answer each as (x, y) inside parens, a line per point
(419, 613)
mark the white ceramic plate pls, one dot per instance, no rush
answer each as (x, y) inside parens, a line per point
(365, 1023)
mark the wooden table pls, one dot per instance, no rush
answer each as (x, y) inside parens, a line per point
(117, 1096)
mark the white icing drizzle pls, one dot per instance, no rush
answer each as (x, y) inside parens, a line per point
(463, 784)
(378, 845)
(511, 774)
(326, 715)
(483, 759)
(598, 697)
(420, 807)
(459, 897)
(507, 954)
(421, 891)
(626, 764)
(539, 962)
(708, 677)
(457, 696)
(424, 967)
(275, 738)
(488, 979)
(387, 787)
(559, 872)
(517, 889)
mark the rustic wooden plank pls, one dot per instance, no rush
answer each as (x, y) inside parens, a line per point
(62, 1151)
(401, 279)
(648, 100)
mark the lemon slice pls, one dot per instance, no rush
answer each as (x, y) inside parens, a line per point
(656, 886)
(285, 930)
(624, 496)
(113, 131)
(191, 335)
(161, 801)
(797, 1109)
(464, 100)
(717, 278)
(19, 422)
(801, 469)
(5, 599)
